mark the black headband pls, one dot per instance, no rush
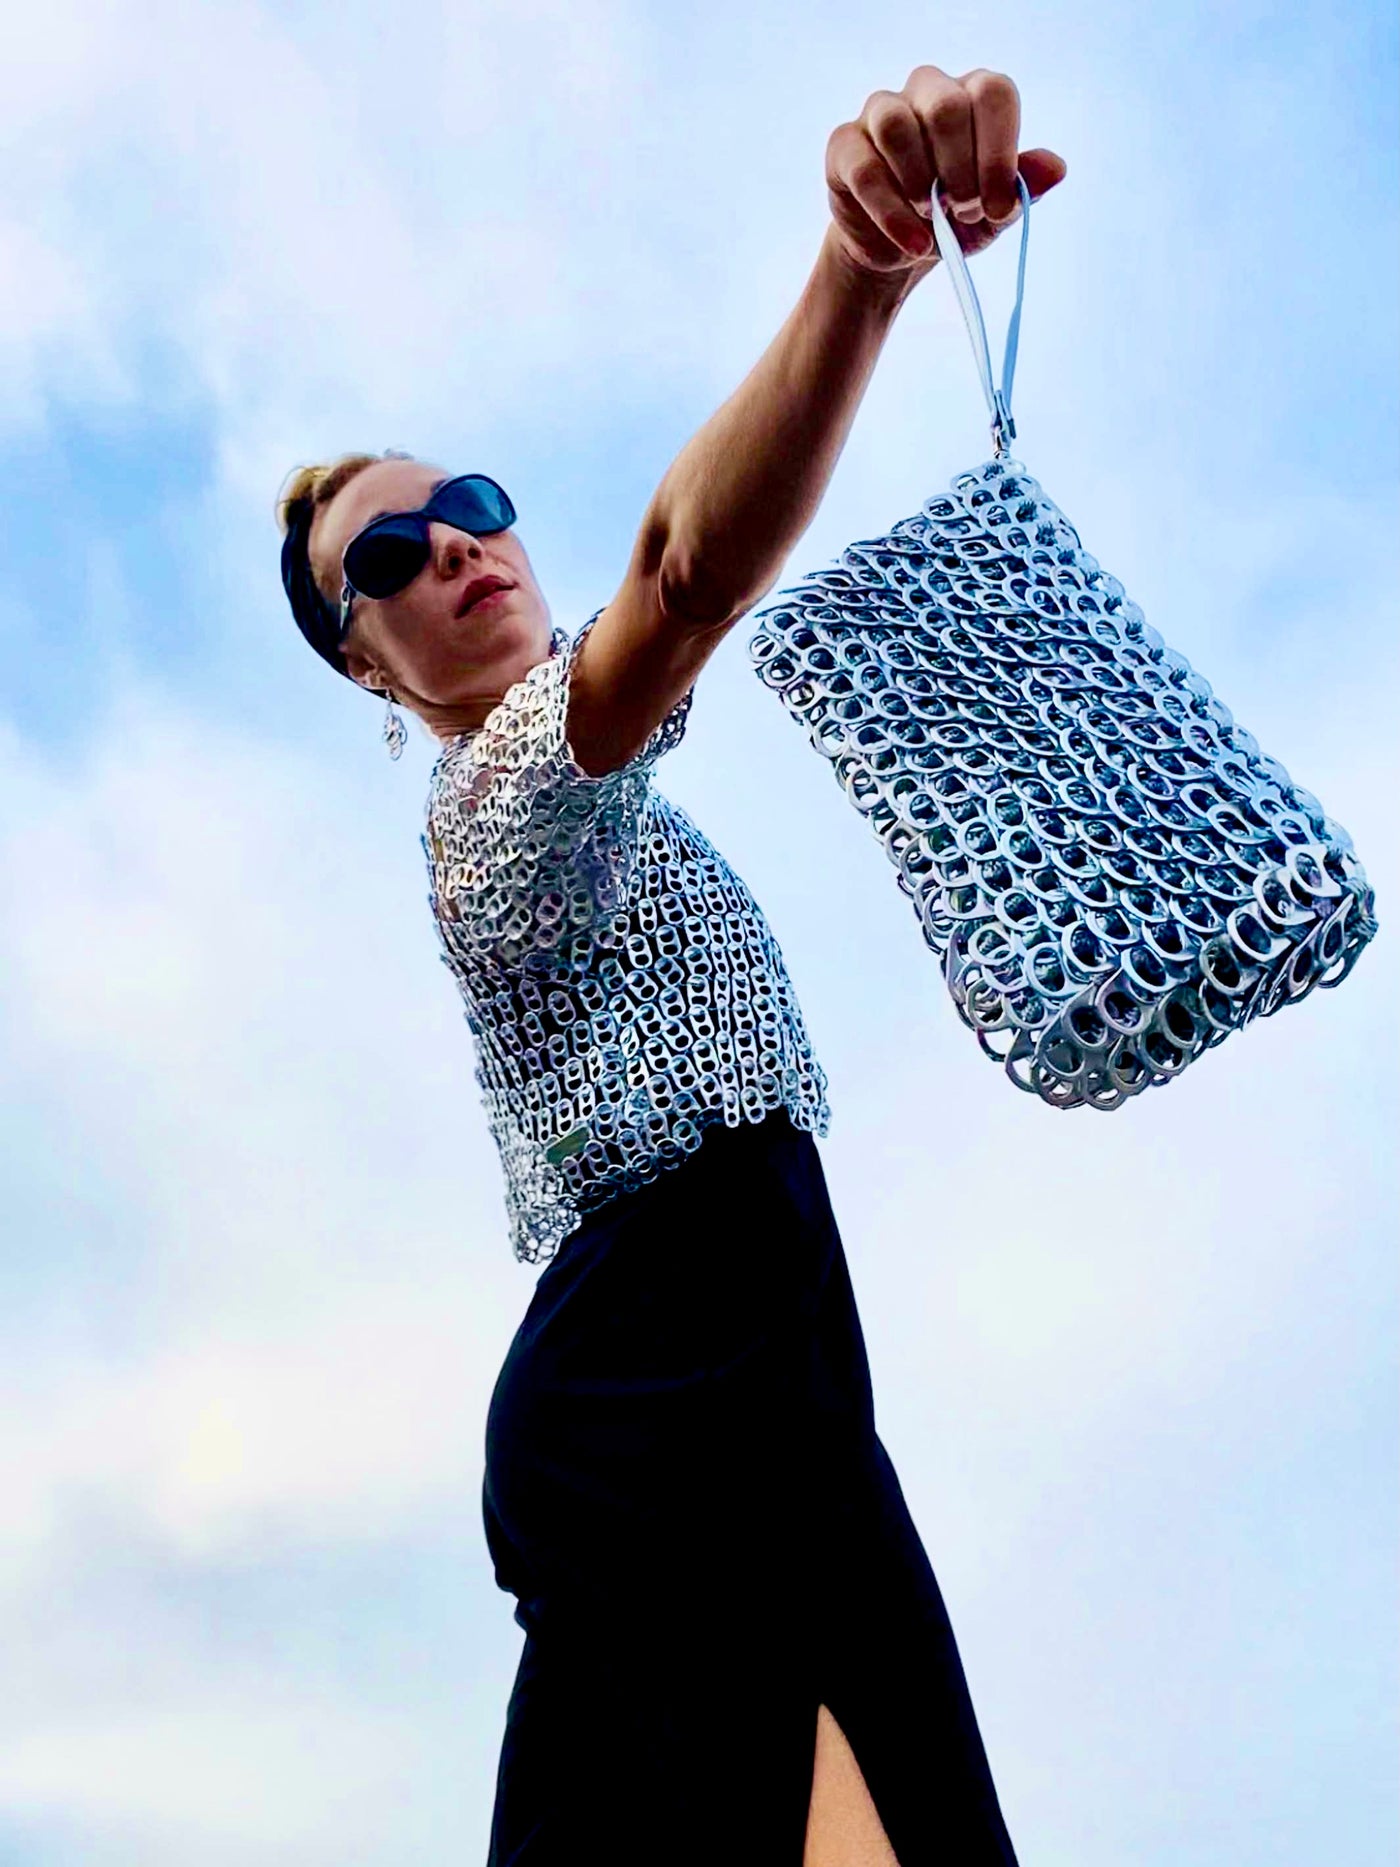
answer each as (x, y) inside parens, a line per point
(315, 617)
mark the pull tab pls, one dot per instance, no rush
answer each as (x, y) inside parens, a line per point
(951, 253)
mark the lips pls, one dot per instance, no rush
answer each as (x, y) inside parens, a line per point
(478, 588)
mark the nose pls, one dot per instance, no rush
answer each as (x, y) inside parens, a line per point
(451, 548)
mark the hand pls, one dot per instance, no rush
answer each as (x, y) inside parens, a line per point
(960, 132)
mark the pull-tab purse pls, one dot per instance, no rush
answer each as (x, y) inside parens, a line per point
(1113, 874)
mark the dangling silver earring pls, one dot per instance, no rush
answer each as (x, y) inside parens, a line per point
(395, 732)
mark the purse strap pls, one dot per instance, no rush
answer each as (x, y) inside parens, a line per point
(951, 253)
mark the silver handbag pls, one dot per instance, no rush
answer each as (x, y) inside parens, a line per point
(1113, 875)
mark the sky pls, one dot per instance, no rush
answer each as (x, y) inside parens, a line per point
(1137, 1373)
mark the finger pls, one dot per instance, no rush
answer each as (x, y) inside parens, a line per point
(864, 191)
(944, 112)
(850, 216)
(889, 121)
(1041, 169)
(996, 126)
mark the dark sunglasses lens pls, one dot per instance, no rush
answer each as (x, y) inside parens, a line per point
(389, 554)
(474, 504)
(387, 557)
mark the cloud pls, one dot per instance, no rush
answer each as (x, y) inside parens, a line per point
(283, 1114)
(350, 1423)
(236, 1777)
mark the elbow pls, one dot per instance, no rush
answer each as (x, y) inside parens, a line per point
(696, 596)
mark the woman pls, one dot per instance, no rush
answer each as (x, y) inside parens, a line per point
(736, 1651)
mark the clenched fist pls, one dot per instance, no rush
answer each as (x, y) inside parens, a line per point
(958, 132)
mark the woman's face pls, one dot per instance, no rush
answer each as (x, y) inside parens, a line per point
(451, 668)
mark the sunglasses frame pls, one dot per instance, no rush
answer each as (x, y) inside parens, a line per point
(424, 514)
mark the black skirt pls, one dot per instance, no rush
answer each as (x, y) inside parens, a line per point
(706, 1540)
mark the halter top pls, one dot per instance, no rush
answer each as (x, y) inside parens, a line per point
(622, 985)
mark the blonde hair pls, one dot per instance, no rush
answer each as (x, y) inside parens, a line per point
(307, 489)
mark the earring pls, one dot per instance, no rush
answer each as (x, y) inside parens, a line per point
(395, 732)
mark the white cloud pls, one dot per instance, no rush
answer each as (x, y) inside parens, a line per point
(347, 1423)
(229, 1781)
(258, 1052)
(335, 214)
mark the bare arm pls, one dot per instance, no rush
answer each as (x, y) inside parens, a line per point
(729, 510)
(746, 486)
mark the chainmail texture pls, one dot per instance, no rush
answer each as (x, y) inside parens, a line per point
(1113, 874)
(621, 983)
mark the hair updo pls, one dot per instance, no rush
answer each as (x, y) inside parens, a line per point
(307, 489)
(304, 493)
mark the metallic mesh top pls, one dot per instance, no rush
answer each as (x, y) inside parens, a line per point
(622, 985)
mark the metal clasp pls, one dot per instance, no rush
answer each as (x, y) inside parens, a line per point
(1003, 427)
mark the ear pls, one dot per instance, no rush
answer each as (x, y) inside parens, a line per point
(363, 667)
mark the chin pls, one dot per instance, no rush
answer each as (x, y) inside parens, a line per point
(497, 659)
(511, 630)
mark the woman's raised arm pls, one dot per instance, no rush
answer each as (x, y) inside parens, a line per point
(746, 486)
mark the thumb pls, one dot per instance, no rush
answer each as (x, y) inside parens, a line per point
(1042, 170)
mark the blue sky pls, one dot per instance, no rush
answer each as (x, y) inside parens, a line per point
(1137, 1374)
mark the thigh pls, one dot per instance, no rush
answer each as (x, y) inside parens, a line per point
(656, 1413)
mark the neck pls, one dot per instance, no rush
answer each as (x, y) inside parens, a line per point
(452, 721)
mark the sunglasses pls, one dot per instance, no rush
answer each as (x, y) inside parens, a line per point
(389, 552)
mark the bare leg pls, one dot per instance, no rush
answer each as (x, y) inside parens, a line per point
(843, 1825)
